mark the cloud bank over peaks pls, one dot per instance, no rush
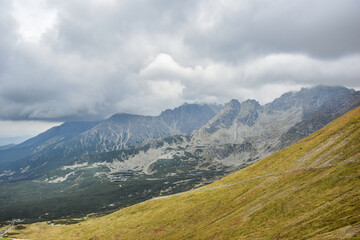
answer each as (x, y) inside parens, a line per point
(84, 60)
(221, 81)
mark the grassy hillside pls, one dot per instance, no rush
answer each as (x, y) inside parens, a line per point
(310, 190)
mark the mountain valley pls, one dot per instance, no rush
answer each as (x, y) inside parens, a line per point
(79, 168)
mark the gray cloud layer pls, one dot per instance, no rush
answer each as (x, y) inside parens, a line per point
(102, 57)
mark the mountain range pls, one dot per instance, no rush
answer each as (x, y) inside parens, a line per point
(309, 190)
(54, 147)
(82, 167)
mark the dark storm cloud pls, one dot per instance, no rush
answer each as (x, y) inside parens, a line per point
(104, 56)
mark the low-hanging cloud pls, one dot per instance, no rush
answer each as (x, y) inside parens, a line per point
(101, 57)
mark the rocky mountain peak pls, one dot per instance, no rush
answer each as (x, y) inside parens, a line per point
(123, 117)
(233, 104)
(309, 98)
(248, 113)
(223, 119)
(250, 105)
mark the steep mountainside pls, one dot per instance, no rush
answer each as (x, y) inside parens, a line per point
(310, 190)
(63, 132)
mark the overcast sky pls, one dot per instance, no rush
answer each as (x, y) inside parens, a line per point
(87, 59)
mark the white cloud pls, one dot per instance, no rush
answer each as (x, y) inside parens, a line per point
(165, 89)
(164, 66)
(34, 18)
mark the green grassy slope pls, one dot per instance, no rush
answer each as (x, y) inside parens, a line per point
(310, 190)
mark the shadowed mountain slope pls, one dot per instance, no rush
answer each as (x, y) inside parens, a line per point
(310, 190)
